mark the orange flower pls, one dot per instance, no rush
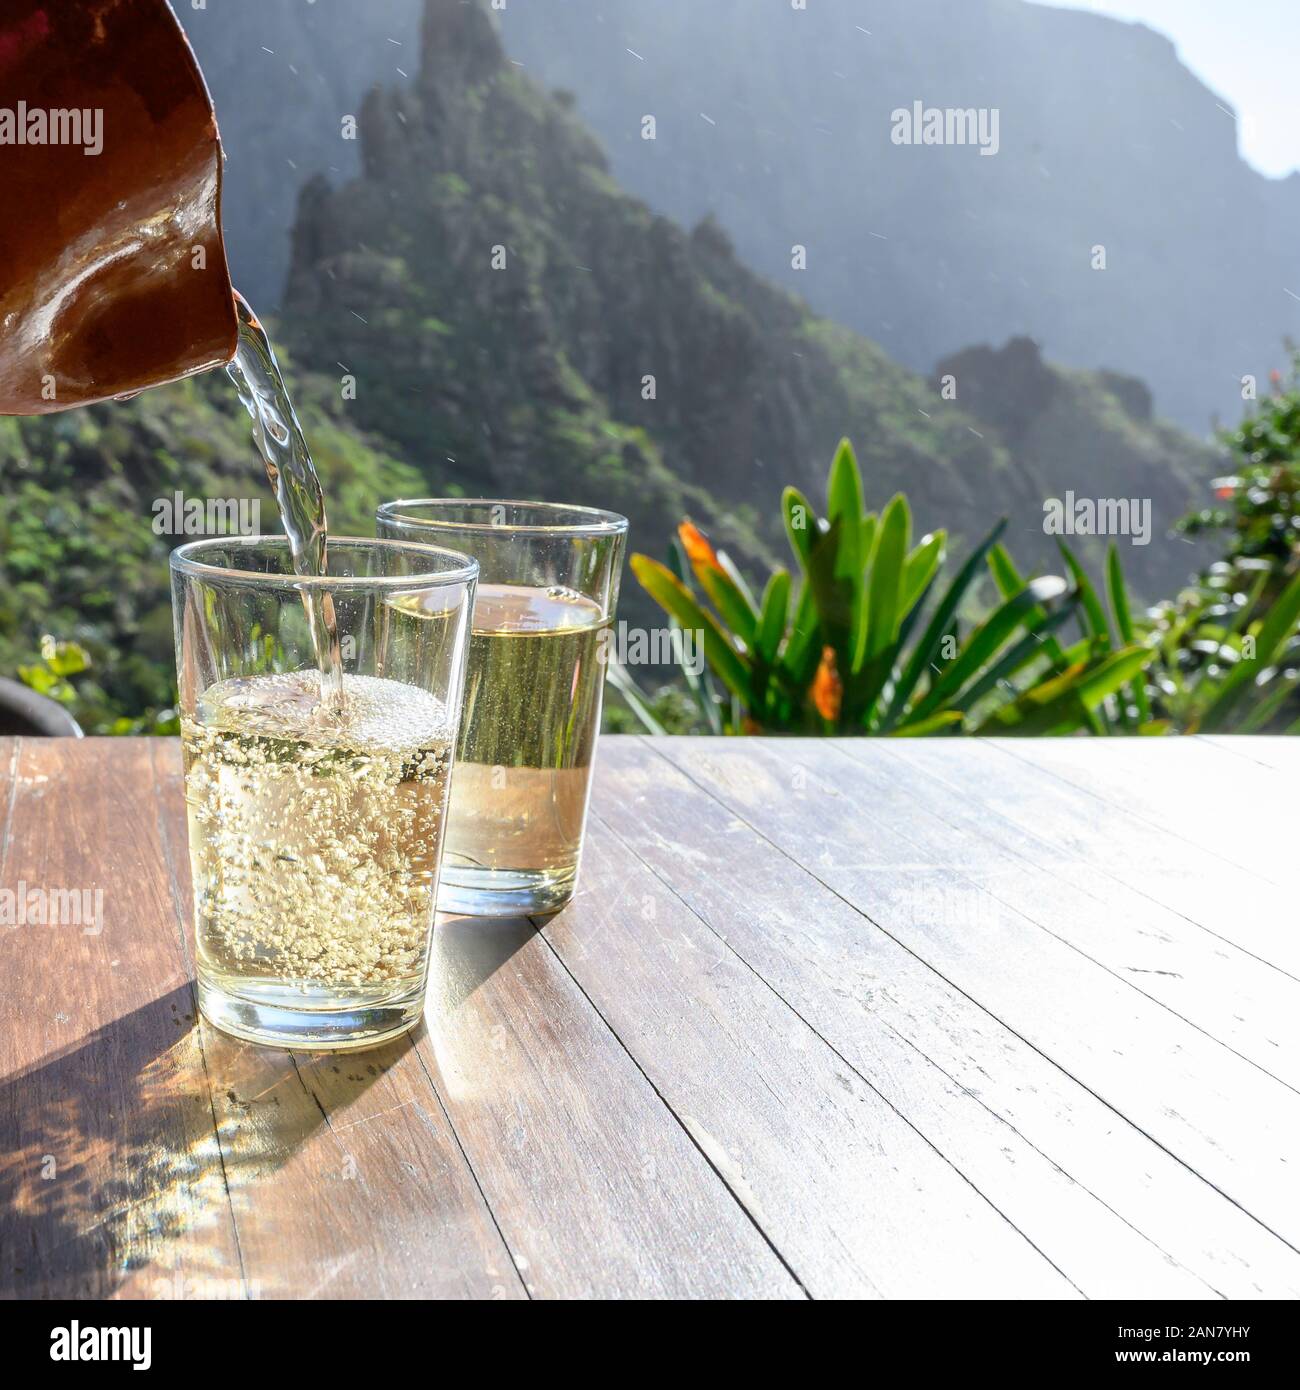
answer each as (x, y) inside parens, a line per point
(696, 545)
(827, 688)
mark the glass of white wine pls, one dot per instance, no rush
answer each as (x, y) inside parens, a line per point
(545, 604)
(317, 818)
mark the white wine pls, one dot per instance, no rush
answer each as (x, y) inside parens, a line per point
(534, 684)
(315, 836)
(535, 675)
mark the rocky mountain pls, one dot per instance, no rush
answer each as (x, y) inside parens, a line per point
(1090, 433)
(779, 122)
(284, 75)
(517, 324)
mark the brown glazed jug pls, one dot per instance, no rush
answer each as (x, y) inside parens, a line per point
(113, 273)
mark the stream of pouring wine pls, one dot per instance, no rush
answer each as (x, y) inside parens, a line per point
(293, 479)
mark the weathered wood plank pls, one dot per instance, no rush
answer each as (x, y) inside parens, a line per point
(1230, 808)
(855, 1199)
(1239, 907)
(110, 1177)
(1278, 751)
(345, 1177)
(597, 1189)
(968, 1096)
(1223, 1117)
(394, 1207)
(1219, 988)
(1113, 1210)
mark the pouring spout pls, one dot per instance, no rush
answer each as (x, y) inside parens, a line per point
(110, 229)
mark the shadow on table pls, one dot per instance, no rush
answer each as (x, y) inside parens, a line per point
(467, 952)
(109, 1157)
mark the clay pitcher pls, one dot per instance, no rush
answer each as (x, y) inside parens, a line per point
(113, 273)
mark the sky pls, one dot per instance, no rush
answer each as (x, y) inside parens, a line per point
(1246, 50)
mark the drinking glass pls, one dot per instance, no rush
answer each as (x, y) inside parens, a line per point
(316, 826)
(533, 689)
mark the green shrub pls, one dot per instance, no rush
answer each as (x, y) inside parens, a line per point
(873, 639)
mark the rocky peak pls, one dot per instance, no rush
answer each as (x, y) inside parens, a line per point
(1131, 392)
(1012, 387)
(459, 44)
(1006, 387)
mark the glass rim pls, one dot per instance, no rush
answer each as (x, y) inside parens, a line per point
(595, 522)
(186, 559)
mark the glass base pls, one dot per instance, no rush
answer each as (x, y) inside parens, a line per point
(311, 1021)
(504, 892)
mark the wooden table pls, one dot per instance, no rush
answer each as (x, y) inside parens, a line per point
(888, 1018)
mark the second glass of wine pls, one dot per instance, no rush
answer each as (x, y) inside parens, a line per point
(548, 589)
